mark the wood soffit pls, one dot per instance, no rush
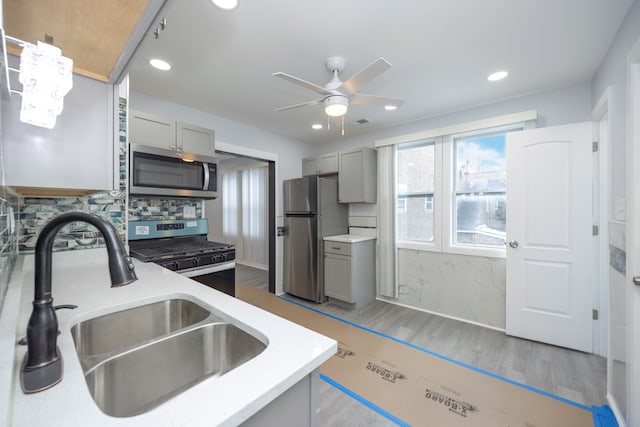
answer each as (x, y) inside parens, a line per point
(92, 33)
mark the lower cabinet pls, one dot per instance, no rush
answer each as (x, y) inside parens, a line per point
(297, 406)
(349, 271)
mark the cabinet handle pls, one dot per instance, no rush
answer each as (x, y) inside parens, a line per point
(333, 247)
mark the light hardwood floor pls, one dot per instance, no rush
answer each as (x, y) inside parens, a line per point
(573, 375)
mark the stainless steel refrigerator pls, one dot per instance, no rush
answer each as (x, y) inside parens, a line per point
(311, 212)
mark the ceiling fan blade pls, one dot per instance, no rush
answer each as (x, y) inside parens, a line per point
(303, 104)
(369, 73)
(362, 99)
(303, 83)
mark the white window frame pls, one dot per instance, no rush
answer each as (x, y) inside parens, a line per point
(444, 195)
(449, 245)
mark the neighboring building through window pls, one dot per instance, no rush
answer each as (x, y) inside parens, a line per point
(415, 190)
(451, 192)
(480, 190)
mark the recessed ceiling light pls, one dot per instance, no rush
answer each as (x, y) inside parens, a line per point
(390, 107)
(499, 75)
(160, 64)
(226, 4)
(316, 126)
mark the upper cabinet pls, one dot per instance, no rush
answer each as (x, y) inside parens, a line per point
(324, 164)
(194, 139)
(99, 36)
(78, 156)
(148, 129)
(357, 174)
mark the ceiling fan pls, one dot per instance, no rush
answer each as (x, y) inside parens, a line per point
(338, 95)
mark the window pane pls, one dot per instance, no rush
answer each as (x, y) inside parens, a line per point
(415, 168)
(481, 164)
(414, 207)
(414, 218)
(481, 219)
(480, 182)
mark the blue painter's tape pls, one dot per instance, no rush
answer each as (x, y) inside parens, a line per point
(603, 416)
(364, 401)
(603, 413)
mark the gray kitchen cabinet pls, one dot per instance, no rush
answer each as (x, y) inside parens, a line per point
(325, 164)
(155, 131)
(161, 132)
(349, 270)
(78, 156)
(194, 139)
(298, 406)
(357, 175)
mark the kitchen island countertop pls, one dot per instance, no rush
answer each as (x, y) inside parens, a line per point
(82, 278)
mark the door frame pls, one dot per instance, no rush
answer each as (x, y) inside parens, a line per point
(633, 232)
(272, 161)
(601, 212)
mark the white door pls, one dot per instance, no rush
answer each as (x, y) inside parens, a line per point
(549, 233)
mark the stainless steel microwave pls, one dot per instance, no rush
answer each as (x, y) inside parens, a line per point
(158, 172)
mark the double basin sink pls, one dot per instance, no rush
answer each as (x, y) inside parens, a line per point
(136, 359)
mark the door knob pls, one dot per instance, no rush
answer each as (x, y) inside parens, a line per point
(513, 244)
(636, 280)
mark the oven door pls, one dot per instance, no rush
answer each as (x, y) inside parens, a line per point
(221, 277)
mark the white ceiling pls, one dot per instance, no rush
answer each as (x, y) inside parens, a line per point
(441, 51)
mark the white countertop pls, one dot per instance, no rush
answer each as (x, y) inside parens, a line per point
(82, 278)
(349, 238)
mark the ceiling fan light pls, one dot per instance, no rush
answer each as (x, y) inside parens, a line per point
(226, 4)
(336, 106)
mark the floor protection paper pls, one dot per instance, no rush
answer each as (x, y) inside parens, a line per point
(420, 388)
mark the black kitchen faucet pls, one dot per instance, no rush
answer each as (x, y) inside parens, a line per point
(42, 365)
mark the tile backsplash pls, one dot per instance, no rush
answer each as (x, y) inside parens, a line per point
(142, 209)
(8, 237)
(37, 211)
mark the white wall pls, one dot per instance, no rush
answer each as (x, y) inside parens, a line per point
(555, 107)
(612, 77)
(470, 288)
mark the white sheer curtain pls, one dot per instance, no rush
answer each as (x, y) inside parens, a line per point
(387, 272)
(254, 216)
(230, 206)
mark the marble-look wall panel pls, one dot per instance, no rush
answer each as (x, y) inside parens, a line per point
(467, 287)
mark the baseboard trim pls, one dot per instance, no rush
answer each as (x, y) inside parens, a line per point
(435, 313)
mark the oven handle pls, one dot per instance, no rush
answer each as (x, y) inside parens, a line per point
(206, 176)
(199, 271)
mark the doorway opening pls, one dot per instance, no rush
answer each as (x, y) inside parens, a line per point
(244, 214)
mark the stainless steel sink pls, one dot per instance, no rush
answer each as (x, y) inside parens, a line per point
(149, 365)
(122, 329)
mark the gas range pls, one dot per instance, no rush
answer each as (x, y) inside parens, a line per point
(180, 246)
